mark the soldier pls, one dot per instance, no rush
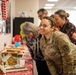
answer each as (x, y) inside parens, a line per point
(57, 49)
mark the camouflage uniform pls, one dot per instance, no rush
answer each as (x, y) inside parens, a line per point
(68, 28)
(58, 54)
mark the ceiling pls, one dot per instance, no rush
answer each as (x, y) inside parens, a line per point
(61, 4)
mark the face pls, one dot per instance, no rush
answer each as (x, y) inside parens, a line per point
(30, 35)
(24, 42)
(58, 19)
(45, 27)
(41, 15)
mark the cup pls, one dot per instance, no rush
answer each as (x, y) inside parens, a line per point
(22, 62)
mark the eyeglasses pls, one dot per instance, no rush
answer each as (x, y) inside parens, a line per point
(40, 15)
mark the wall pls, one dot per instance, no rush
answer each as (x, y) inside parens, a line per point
(18, 6)
(8, 37)
(30, 6)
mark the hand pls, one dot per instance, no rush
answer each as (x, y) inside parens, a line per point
(74, 36)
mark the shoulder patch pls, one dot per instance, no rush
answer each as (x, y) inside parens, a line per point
(66, 48)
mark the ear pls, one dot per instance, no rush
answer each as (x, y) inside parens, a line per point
(46, 13)
(63, 18)
(53, 27)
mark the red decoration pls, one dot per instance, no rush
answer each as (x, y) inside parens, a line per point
(16, 38)
(4, 9)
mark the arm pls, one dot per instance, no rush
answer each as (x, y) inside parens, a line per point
(71, 32)
(65, 48)
(30, 50)
(50, 63)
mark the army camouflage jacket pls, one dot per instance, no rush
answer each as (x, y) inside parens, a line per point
(57, 52)
(68, 28)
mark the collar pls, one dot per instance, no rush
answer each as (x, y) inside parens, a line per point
(50, 39)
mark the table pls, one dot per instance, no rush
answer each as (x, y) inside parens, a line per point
(28, 66)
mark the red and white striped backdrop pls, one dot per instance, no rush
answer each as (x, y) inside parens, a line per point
(4, 9)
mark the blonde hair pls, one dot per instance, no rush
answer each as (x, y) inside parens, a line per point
(62, 13)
